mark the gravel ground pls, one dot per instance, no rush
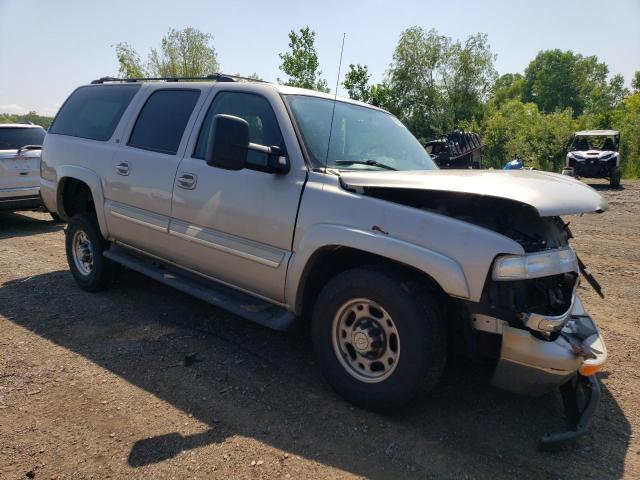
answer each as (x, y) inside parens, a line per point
(96, 385)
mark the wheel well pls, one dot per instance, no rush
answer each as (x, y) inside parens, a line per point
(330, 261)
(76, 197)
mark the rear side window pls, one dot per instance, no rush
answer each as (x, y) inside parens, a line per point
(93, 112)
(162, 121)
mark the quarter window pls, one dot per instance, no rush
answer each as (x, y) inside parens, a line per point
(256, 110)
(93, 112)
(162, 120)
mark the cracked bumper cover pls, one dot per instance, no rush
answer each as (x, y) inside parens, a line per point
(532, 366)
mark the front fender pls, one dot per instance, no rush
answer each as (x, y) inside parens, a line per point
(91, 178)
(444, 270)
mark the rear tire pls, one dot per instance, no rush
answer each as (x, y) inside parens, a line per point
(85, 245)
(394, 346)
(614, 180)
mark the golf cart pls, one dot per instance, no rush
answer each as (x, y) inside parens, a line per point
(594, 154)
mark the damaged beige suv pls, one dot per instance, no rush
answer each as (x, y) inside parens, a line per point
(285, 205)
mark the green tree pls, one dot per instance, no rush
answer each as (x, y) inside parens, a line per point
(301, 63)
(467, 76)
(436, 84)
(130, 64)
(356, 82)
(182, 53)
(626, 119)
(635, 83)
(31, 116)
(558, 79)
(507, 87)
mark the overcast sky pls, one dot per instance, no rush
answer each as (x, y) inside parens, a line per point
(47, 48)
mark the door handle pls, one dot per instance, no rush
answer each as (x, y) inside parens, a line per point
(122, 168)
(187, 181)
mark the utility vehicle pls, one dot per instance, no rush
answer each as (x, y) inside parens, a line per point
(594, 154)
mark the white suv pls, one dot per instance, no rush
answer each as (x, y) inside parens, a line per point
(20, 146)
(286, 205)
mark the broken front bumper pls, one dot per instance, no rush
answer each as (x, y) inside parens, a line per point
(534, 366)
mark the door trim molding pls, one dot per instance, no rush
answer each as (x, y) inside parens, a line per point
(224, 242)
(138, 216)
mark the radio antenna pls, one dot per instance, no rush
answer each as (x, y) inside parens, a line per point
(335, 99)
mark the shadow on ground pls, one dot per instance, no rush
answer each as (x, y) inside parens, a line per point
(249, 381)
(14, 224)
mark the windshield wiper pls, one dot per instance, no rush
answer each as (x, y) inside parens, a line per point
(364, 162)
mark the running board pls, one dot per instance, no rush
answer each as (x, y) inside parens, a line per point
(215, 293)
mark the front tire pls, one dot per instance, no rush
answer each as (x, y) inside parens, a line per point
(379, 338)
(614, 181)
(84, 245)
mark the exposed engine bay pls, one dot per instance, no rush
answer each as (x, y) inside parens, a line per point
(515, 220)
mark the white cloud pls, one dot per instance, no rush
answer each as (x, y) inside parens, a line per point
(13, 108)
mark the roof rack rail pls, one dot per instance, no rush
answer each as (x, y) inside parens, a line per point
(215, 77)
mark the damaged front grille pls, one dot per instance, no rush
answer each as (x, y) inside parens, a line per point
(546, 296)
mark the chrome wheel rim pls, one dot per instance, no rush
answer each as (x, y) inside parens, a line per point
(366, 340)
(82, 250)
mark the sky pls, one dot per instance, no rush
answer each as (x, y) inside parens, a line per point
(48, 48)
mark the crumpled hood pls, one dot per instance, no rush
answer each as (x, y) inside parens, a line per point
(550, 194)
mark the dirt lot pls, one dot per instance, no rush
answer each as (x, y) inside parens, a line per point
(95, 385)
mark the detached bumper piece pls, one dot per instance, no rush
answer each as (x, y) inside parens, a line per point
(580, 396)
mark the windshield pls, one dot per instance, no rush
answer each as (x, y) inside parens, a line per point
(582, 144)
(362, 138)
(12, 138)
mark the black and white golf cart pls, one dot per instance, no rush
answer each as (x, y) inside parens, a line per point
(594, 154)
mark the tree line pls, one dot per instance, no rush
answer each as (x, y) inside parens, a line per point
(435, 84)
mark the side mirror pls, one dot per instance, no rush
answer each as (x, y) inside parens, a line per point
(228, 142)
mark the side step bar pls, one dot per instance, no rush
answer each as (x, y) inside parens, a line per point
(215, 293)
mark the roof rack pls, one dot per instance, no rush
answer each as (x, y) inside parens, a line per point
(215, 77)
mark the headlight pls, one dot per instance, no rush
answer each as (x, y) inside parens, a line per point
(535, 265)
(577, 156)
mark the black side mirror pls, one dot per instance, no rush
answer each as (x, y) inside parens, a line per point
(228, 142)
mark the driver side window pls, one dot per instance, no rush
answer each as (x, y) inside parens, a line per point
(263, 126)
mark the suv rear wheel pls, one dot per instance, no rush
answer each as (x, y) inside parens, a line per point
(379, 339)
(85, 245)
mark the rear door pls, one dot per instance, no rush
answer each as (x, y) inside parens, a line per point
(139, 182)
(237, 226)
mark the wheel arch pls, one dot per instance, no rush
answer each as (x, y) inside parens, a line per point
(71, 181)
(319, 259)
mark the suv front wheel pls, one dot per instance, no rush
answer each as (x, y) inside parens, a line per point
(378, 338)
(84, 245)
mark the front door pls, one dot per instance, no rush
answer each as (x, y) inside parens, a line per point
(237, 226)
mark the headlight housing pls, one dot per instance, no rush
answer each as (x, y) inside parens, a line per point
(576, 155)
(535, 265)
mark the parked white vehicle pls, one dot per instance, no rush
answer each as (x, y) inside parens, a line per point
(283, 205)
(20, 147)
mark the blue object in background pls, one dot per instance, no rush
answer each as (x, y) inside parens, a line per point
(517, 164)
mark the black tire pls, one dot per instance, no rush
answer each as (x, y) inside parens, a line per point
(101, 273)
(614, 181)
(56, 218)
(420, 329)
